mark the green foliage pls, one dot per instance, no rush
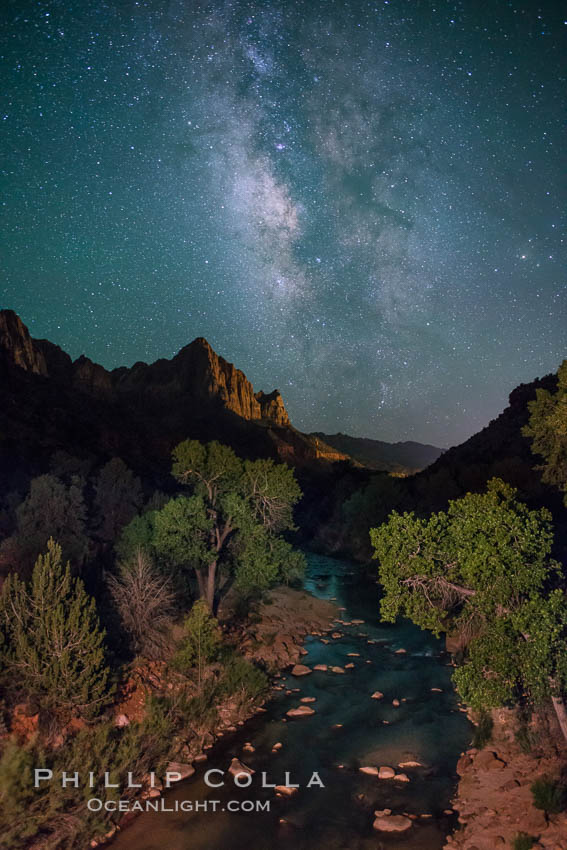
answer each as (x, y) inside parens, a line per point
(182, 533)
(483, 730)
(201, 642)
(215, 467)
(59, 814)
(262, 560)
(547, 428)
(272, 492)
(117, 498)
(523, 841)
(51, 509)
(241, 678)
(549, 796)
(137, 535)
(54, 646)
(480, 570)
(231, 521)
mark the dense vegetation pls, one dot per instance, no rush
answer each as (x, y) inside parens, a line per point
(155, 566)
(482, 572)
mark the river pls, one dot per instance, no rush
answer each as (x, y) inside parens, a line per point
(349, 728)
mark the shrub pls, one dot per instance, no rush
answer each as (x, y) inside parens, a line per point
(549, 795)
(523, 841)
(483, 731)
(54, 645)
(243, 679)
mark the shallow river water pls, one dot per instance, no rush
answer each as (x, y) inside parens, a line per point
(427, 727)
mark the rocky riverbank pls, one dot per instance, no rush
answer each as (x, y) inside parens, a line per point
(271, 637)
(494, 798)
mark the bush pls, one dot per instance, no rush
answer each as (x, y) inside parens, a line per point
(523, 841)
(59, 814)
(483, 731)
(525, 739)
(54, 646)
(242, 678)
(549, 796)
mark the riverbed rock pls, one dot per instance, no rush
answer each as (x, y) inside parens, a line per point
(285, 790)
(349, 666)
(248, 748)
(237, 767)
(386, 772)
(369, 770)
(300, 670)
(401, 777)
(337, 670)
(488, 760)
(377, 695)
(182, 771)
(400, 652)
(406, 764)
(308, 699)
(321, 667)
(392, 823)
(300, 711)
(395, 703)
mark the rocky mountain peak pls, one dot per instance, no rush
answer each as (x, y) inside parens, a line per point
(17, 344)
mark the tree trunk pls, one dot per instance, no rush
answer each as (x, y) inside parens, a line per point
(201, 584)
(211, 585)
(561, 713)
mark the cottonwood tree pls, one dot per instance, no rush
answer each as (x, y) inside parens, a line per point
(547, 428)
(482, 570)
(231, 504)
(145, 601)
(54, 646)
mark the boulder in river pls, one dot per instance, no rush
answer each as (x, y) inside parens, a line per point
(237, 767)
(308, 699)
(404, 764)
(337, 670)
(176, 771)
(386, 772)
(369, 770)
(392, 823)
(300, 670)
(300, 711)
(285, 790)
(401, 777)
(321, 667)
(377, 695)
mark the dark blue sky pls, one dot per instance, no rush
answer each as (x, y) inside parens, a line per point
(358, 203)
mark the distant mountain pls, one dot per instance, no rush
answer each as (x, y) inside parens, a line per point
(404, 458)
(48, 402)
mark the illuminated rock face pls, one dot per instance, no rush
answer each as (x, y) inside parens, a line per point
(195, 376)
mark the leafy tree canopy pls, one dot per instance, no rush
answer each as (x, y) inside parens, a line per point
(547, 428)
(481, 569)
(231, 519)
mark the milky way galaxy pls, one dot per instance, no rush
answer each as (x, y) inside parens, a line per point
(359, 203)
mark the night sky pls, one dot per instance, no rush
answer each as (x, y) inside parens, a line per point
(357, 203)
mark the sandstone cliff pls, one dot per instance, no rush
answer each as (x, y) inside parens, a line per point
(196, 375)
(50, 403)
